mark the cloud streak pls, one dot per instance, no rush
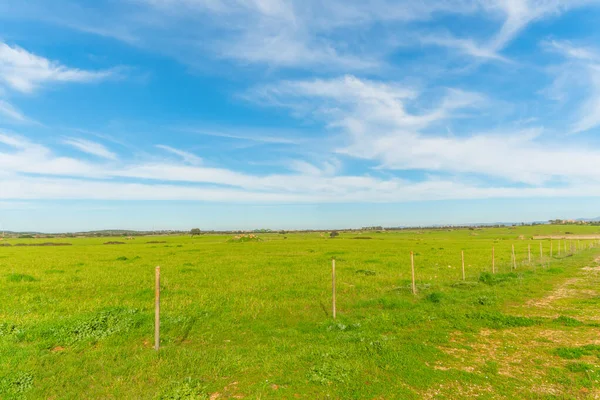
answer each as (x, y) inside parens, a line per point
(25, 72)
(92, 148)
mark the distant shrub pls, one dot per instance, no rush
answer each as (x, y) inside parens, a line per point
(114, 242)
(363, 237)
(122, 258)
(195, 232)
(334, 234)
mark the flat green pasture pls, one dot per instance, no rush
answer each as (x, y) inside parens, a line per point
(253, 320)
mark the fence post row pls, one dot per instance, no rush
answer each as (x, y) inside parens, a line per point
(413, 283)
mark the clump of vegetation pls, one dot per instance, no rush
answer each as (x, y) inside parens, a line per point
(569, 353)
(114, 242)
(102, 324)
(465, 284)
(366, 272)
(568, 321)
(15, 385)
(122, 258)
(495, 279)
(334, 234)
(20, 278)
(42, 244)
(485, 301)
(7, 329)
(186, 390)
(578, 367)
(497, 320)
(434, 297)
(573, 353)
(245, 238)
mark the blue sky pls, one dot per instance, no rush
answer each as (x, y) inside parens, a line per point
(239, 114)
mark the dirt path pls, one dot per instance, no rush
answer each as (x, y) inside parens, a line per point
(558, 359)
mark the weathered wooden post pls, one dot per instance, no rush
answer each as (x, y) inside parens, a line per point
(412, 268)
(157, 310)
(462, 254)
(333, 287)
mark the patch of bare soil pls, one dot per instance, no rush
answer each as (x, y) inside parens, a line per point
(526, 356)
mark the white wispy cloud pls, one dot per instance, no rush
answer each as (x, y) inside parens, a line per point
(260, 135)
(572, 51)
(9, 111)
(185, 155)
(378, 126)
(516, 15)
(33, 171)
(89, 147)
(301, 34)
(24, 71)
(466, 46)
(581, 75)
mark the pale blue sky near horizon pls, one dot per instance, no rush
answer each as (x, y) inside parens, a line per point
(285, 114)
(77, 216)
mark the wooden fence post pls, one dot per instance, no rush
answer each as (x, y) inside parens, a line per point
(333, 287)
(514, 258)
(412, 268)
(462, 255)
(157, 310)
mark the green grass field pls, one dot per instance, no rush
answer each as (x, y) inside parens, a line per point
(253, 319)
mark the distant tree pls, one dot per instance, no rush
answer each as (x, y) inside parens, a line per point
(195, 231)
(334, 234)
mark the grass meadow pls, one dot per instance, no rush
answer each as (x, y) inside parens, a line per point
(253, 319)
